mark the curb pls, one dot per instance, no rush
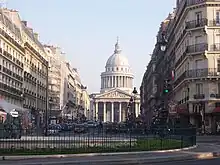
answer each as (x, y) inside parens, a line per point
(24, 157)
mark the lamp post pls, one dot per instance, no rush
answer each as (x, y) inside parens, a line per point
(202, 113)
(50, 108)
(134, 96)
(131, 113)
(47, 101)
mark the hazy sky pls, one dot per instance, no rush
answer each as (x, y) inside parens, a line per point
(86, 30)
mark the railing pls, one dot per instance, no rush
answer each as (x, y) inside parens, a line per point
(215, 47)
(196, 23)
(214, 23)
(197, 2)
(197, 73)
(206, 72)
(197, 48)
(217, 96)
(81, 139)
(192, 49)
(199, 96)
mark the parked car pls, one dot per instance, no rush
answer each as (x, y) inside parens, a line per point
(80, 128)
(53, 130)
(91, 124)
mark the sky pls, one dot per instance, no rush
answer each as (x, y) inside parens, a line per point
(87, 30)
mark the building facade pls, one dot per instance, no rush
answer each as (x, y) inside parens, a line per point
(55, 83)
(25, 66)
(68, 97)
(193, 54)
(111, 104)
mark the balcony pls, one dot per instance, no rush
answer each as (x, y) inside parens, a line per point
(206, 72)
(214, 23)
(197, 2)
(199, 96)
(197, 23)
(217, 96)
(197, 73)
(215, 47)
(192, 49)
(187, 3)
(197, 48)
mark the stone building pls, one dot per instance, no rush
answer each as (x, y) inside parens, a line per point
(111, 104)
(193, 53)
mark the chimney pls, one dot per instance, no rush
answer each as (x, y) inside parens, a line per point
(25, 23)
(30, 30)
(36, 36)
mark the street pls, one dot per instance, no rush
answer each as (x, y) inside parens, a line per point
(191, 162)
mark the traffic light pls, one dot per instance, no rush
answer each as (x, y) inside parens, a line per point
(166, 90)
(166, 87)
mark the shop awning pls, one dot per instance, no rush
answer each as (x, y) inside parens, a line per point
(182, 109)
(216, 110)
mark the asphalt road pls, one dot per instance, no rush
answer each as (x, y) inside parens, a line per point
(191, 162)
(213, 161)
(90, 160)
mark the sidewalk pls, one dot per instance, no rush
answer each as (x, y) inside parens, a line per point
(201, 151)
(208, 139)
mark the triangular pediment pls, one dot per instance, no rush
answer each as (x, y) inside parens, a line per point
(115, 93)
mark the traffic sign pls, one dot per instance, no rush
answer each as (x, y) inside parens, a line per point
(14, 113)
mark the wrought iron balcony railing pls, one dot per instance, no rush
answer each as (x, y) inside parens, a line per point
(197, 73)
(199, 96)
(215, 47)
(196, 23)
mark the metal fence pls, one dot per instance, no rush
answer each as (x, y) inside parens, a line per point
(94, 140)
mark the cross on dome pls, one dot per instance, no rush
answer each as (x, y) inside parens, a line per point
(117, 47)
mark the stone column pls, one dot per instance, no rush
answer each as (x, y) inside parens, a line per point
(120, 112)
(112, 82)
(136, 109)
(96, 110)
(115, 81)
(109, 82)
(112, 111)
(104, 112)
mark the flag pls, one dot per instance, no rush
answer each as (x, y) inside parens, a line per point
(173, 75)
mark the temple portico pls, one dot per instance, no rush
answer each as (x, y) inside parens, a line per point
(114, 108)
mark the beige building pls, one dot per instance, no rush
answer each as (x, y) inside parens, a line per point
(193, 33)
(68, 97)
(197, 62)
(24, 64)
(55, 83)
(111, 104)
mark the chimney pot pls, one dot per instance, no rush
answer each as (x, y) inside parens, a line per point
(36, 36)
(25, 23)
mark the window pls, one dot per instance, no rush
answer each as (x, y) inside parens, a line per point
(218, 65)
(199, 88)
(198, 18)
(218, 88)
(217, 17)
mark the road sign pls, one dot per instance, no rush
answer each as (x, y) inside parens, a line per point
(14, 113)
(172, 107)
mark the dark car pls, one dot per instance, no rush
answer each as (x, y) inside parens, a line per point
(80, 128)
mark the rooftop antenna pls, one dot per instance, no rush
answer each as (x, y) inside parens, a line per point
(3, 4)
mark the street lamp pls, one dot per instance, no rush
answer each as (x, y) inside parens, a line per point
(134, 96)
(163, 43)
